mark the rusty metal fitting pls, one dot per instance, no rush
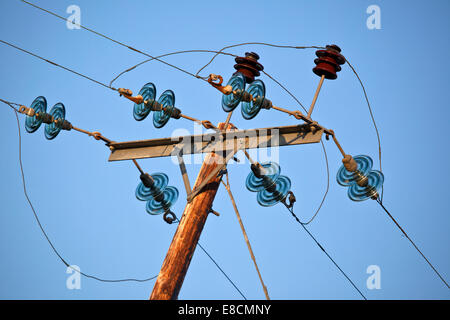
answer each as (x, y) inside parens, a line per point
(246, 97)
(169, 217)
(27, 111)
(66, 125)
(214, 212)
(176, 113)
(328, 62)
(349, 163)
(298, 115)
(266, 104)
(218, 85)
(45, 117)
(208, 125)
(289, 200)
(127, 93)
(97, 135)
(156, 106)
(249, 66)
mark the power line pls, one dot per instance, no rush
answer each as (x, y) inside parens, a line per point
(11, 104)
(412, 242)
(39, 222)
(111, 39)
(372, 117)
(169, 54)
(221, 270)
(291, 210)
(255, 43)
(56, 64)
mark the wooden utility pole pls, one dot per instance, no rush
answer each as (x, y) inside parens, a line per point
(181, 250)
(201, 197)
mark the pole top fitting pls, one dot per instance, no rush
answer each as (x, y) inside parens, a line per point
(249, 66)
(328, 62)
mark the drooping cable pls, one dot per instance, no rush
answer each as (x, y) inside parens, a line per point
(111, 39)
(412, 242)
(291, 210)
(39, 222)
(165, 55)
(221, 270)
(372, 117)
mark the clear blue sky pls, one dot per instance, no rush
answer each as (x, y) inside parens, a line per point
(87, 204)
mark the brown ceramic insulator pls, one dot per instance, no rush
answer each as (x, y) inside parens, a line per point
(328, 62)
(249, 66)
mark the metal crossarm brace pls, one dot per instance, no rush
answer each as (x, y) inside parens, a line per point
(206, 143)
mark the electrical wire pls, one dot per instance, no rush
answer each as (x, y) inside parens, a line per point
(254, 43)
(11, 104)
(412, 242)
(111, 39)
(291, 210)
(169, 54)
(56, 64)
(39, 222)
(217, 53)
(372, 117)
(221, 270)
(217, 265)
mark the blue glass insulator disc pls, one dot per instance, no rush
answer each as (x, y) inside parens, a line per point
(375, 180)
(160, 183)
(167, 100)
(141, 111)
(154, 207)
(346, 178)
(250, 109)
(272, 172)
(39, 105)
(267, 198)
(231, 101)
(58, 112)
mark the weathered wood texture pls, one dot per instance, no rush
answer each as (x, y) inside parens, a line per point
(181, 250)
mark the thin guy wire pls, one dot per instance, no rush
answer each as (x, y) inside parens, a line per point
(291, 210)
(39, 222)
(412, 242)
(110, 39)
(228, 188)
(57, 65)
(221, 270)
